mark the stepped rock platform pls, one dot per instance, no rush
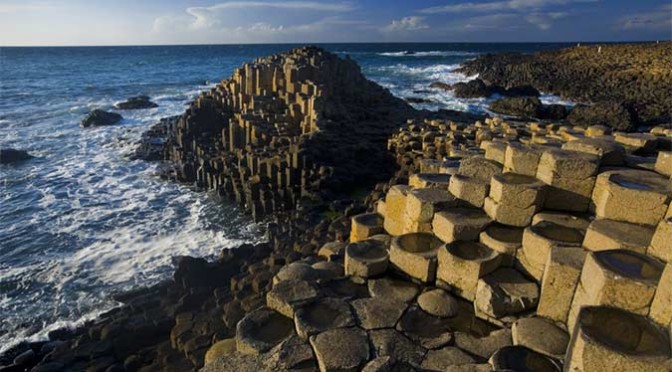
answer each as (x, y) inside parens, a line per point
(482, 247)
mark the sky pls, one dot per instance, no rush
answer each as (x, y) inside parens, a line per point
(154, 22)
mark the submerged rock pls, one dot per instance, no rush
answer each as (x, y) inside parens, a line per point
(136, 103)
(98, 118)
(472, 89)
(8, 156)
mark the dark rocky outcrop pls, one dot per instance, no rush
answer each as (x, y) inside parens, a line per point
(136, 103)
(472, 89)
(610, 114)
(8, 156)
(554, 112)
(525, 107)
(440, 85)
(97, 118)
(634, 75)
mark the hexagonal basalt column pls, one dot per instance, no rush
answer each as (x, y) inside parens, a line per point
(395, 209)
(664, 163)
(422, 204)
(459, 224)
(522, 159)
(605, 235)
(365, 225)
(661, 306)
(504, 239)
(615, 192)
(470, 191)
(661, 243)
(539, 239)
(366, 259)
(559, 282)
(571, 177)
(429, 180)
(261, 330)
(517, 190)
(616, 278)
(609, 339)
(610, 152)
(461, 264)
(415, 255)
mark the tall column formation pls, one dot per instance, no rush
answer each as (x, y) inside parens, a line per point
(287, 126)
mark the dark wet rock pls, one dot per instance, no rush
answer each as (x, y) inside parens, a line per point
(525, 107)
(8, 156)
(440, 85)
(98, 118)
(553, 112)
(521, 91)
(136, 103)
(152, 145)
(472, 89)
(612, 115)
(522, 359)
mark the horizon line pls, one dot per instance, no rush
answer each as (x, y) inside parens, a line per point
(339, 43)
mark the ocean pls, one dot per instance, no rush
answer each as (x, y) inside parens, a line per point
(82, 221)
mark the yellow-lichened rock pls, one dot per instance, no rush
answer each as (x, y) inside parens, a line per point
(517, 190)
(494, 150)
(637, 141)
(506, 240)
(395, 209)
(461, 264)
(522, 159)
(539, 239)
(605, 235)
(559, 281)
(618, 278)
(597, 131)
(616, 190)
(479, 167)
(661, 243)
(470, 191)
(459, 224)
(508, 214)
(421, 204)
(571, 176)
(364, 226)
(610, 152)
(431, 180)
(415, 254)
(664, 163)
(220, 349)
(608, 339)
(661, 306)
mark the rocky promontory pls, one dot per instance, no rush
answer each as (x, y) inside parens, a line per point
(635, 77)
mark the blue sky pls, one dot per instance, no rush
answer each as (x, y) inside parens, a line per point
(139, 22)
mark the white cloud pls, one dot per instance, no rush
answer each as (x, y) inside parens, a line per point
(544, 20)
(660, 19)
(412, 23)
(497, 6)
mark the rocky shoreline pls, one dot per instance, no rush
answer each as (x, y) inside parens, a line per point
(463, 247)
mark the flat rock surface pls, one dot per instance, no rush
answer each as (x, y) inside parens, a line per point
(343, 349)
(378, 312)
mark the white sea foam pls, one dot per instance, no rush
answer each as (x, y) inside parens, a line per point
(431, 53)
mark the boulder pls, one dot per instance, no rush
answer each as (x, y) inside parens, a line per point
(439, 303)
(136, 103)
(440, 85)
(97, 118)
(521, 91)
(472, 89)
(609, 114)
(8, 156)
